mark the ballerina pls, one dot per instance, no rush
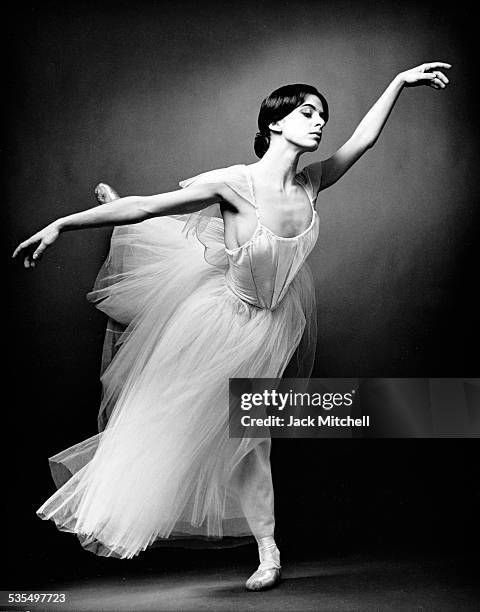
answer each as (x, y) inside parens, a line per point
(204, 283)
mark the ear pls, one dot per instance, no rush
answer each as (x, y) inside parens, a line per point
(276, 126)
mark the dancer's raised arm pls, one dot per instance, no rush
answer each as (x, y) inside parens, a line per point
(124, 211)
(370, 127)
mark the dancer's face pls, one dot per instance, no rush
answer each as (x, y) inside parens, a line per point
(303, 126)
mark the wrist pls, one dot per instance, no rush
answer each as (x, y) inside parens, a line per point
(59, 224)
(399, 80)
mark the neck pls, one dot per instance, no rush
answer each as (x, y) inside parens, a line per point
(279, 165)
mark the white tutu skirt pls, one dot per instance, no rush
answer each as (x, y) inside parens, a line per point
(164, 466)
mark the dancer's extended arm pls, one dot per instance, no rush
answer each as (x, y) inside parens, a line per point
(124, 211)
(370, 127)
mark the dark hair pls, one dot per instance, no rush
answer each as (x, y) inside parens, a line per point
(278, 105)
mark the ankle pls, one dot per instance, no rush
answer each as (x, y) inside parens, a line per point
(266, 542)
(268, 553)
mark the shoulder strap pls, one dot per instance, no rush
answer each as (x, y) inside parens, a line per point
(252, 191)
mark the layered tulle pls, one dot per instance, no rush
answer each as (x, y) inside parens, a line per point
(164, 466)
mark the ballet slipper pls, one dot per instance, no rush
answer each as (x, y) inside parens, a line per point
(104, 193)
(266, 577)
(268, 573)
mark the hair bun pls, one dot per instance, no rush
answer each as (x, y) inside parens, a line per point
(261, 144)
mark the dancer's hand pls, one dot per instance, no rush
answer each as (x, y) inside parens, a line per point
(426, 74)
(34, 247)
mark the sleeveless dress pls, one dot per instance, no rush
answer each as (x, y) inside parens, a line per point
(185, 315)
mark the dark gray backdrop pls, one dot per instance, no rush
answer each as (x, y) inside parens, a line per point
(143, 94)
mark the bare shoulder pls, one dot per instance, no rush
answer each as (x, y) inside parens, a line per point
(235, 189)
(229, 185)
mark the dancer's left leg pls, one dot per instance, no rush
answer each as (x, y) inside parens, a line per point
(253, 481)
(252, 478)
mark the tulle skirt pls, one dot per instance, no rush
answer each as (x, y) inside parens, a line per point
(164, 465)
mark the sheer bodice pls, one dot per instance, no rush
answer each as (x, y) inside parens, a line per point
(261, 270)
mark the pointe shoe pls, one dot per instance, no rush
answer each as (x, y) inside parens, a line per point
(264, 578)
(104, 193)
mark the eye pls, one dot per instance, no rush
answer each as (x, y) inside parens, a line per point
(307, 114)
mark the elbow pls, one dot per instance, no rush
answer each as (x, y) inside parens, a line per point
(365, 140)
(145, 209)
(140, 209)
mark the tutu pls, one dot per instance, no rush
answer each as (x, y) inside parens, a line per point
(185, 315)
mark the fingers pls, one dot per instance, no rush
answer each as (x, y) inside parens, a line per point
(39, 252)
(435, 65)
(22, 246)
(28, 263)
(30, 259)
(441, 77)
(438, 80)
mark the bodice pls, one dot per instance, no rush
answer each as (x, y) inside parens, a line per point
(261, 270)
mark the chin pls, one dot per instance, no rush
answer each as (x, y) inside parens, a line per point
(312, 147)
(307, 146)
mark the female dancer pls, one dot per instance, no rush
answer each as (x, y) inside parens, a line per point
(164, 466)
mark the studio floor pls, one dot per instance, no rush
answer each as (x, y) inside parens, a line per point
(355, 583)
